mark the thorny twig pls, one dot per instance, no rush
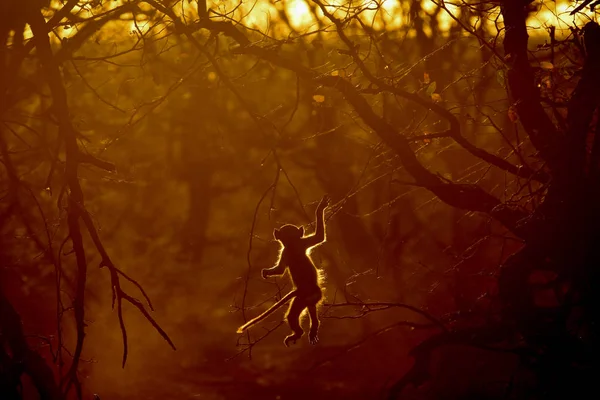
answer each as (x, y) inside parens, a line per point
(272, 187)
(379, 306)
(118, 294)
(251, 343)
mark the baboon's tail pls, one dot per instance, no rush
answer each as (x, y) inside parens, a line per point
(264, 315)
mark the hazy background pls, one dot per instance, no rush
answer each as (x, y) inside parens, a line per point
(182, 213)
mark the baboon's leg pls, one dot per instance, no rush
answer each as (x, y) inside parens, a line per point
(293, 320)
(314, 324)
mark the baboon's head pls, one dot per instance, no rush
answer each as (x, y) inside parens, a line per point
(289, 234)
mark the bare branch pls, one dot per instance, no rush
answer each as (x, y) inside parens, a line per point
(76, 208)
(464, 196)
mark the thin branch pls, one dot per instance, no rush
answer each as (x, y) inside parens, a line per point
(386, 305)
(118, 293)
(271, 187)
(463, 196)
(412, 325)
(76, 207)
(38, 26)
(86, 83)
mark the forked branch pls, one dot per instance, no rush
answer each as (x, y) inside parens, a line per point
(76, 207)
(463, 196)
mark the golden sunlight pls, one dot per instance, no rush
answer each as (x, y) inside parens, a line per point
(299, 14)
(380, 14)
(266, 15)
(557, 14)
(388, 14)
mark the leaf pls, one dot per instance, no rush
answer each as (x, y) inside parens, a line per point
(319, 98)
(426, 78)
(547, 81)
(501, 78)
(512, 114)
(566, 73)
(317, 43)
(546, 65)
(436, 97)
(430, 89)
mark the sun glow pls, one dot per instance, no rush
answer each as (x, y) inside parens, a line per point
(278, 18)
(299, 14)
(391, 14)
(557, 15)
